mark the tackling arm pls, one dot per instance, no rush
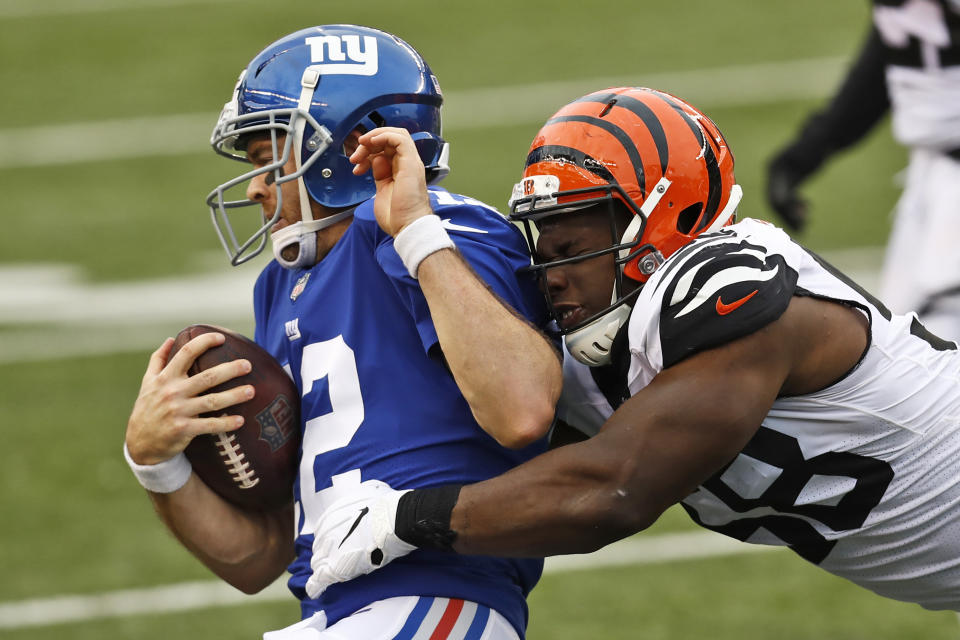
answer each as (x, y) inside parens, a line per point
(662, 443)
(649, 455)
(655, 449)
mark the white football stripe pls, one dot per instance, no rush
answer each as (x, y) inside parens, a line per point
(50, 312)
(432, 618)
(727, 277)
(468, 109)
(453, 226)
(464, 620)
(756, 253)
(47, 8)
(684, 283)
(187, 596)
(686, 280)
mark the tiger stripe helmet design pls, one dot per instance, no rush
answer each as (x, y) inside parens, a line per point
(663, 159)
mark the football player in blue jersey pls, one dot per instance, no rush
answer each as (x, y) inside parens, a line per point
(715, 364)
(407, 323)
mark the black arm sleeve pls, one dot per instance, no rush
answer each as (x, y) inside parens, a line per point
(423, 517)
(857, 106)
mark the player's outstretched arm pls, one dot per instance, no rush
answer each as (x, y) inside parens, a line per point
(506, 369)
(574, 499)
(248, 550)
(651, 453)
(662, 443)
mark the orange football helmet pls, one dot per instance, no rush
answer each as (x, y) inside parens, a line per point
(663, 159)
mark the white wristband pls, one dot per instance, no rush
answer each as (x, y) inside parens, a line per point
(419, 239)
(165, 477)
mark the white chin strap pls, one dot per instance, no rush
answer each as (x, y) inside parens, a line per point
(591, 344)
(303, 235)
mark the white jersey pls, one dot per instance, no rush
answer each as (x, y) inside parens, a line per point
(861, 478)
(922, 41)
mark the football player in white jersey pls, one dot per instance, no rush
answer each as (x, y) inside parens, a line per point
(909, 65)
(715, 364)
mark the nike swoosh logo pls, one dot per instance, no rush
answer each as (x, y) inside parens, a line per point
(718, 281)
(723, 308)
(355, 524)
(453, 226)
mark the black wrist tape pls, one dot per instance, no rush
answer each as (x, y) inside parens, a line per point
(423, 517)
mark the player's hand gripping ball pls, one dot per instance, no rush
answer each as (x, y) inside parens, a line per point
(254, 466)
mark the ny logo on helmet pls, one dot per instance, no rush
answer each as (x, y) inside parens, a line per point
(343, 55)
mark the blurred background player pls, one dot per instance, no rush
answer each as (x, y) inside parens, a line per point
(398, 335)
(910, 64)
(716, 365)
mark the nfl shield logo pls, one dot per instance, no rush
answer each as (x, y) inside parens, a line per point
(299, 287)
(276, 423)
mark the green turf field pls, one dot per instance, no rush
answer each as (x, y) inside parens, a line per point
(74, 520)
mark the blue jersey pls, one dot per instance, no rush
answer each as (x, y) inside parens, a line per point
(378, 402)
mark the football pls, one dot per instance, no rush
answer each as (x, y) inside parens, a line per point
(254, 466)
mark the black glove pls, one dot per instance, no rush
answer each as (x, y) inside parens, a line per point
(784, 175)
(860, 102)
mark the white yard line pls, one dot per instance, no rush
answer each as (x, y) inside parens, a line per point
(202, 595)
(734, 85)
(41, 294)
(53, 8)
(149, 136)
(49, 311)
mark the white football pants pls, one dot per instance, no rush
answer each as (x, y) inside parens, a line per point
(406, 618)
(921, 270)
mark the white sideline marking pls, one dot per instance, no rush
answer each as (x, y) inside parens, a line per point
(734, 85)
(102, 140)
(201, 595)
(654, 549)
(749, 84)
(49, 312)
(36, 294)
(48, 8)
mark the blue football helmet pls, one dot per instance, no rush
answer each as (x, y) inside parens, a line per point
(308, 91)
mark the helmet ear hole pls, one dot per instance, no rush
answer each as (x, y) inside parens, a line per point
(377, 119)
(688, 218)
